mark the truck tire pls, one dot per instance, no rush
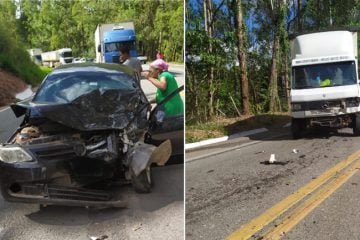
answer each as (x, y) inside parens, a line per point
(143, 182)
(297, 127)
(356, 125)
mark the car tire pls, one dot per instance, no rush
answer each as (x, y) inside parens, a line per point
(143, 182)
(356, 125)
(297, 127)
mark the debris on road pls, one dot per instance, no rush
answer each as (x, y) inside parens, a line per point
(273, 161)
(272, 158)
(137, 228)
(295, 151)
(260, 152)
(103, 237)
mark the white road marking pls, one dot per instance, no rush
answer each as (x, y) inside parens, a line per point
(2, 110)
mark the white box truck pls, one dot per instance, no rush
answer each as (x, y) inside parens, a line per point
(57, 57)
(325, 87)
(35, 55)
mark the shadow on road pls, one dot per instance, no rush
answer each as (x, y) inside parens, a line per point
(275, 124)
(269, 121)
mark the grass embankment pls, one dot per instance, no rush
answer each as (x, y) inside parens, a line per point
(228, 126)
(15, 59)
(17, 70)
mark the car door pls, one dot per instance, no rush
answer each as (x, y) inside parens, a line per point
(167, 127)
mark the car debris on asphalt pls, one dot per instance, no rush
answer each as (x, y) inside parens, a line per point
(103, 237)
(272, 158)
(295, 151)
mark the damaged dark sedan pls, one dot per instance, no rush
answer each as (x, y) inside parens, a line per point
(87, 126)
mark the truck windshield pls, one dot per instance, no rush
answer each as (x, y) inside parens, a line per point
(324, 75)
(66, 54)
(116, 46)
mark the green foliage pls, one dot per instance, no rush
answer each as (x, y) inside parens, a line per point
(53, 24)
(45, 71)
(13, 56)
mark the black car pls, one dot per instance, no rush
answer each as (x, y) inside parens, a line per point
(88, 125)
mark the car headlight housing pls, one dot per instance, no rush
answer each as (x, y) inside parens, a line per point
(14, 155)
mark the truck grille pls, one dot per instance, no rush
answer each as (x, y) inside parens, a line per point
(115, 59)
(68, 60)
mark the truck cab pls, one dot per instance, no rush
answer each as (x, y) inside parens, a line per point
(65, 55)
(111, 37)
(117, 39)
(325, 89)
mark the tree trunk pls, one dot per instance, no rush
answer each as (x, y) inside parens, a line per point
(299, 18)
(274, 96)
(242, 62)
(209, 31)
(287, 80)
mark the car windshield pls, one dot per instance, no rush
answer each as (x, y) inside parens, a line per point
(116, 46)
(65, 87)
(324, 75)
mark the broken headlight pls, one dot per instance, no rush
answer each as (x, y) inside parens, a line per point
(14, 154)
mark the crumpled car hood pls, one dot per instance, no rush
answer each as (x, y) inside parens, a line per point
(97, 110)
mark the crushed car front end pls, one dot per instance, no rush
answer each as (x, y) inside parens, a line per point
(83, 131)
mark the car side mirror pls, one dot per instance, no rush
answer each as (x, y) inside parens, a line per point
(99, 48)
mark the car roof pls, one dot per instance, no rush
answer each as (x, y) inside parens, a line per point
(94, 67)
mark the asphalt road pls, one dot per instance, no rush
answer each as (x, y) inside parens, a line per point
(231, 191)
(158, 215)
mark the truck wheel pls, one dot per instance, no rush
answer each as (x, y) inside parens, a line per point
(297, 127)
(143, 182)
(356, 125)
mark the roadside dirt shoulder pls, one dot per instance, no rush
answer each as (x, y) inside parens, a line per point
(9, 86)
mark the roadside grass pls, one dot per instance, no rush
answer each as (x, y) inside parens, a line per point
(227, 126)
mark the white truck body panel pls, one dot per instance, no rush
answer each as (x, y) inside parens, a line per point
(50, 56)
(101, 29)
(315, 45)
(35, 55)
(35, 51)
(54, 58)
(328, 93)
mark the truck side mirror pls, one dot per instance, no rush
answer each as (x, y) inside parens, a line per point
(99, 48)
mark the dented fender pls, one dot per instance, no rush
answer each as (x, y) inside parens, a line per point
(141, 155)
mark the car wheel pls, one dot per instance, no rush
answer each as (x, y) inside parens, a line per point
(143, 182)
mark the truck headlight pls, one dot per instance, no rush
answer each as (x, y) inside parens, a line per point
(296, 106)
(14, 154)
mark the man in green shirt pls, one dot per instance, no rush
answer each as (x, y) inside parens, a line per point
(166, 84)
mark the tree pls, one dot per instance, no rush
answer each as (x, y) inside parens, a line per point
(242, 60)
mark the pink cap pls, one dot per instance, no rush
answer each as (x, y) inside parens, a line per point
(160, 64)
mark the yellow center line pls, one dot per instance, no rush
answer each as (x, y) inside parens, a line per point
(258, 223)
(309, 205)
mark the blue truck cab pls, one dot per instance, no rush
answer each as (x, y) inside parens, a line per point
(115, 40)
